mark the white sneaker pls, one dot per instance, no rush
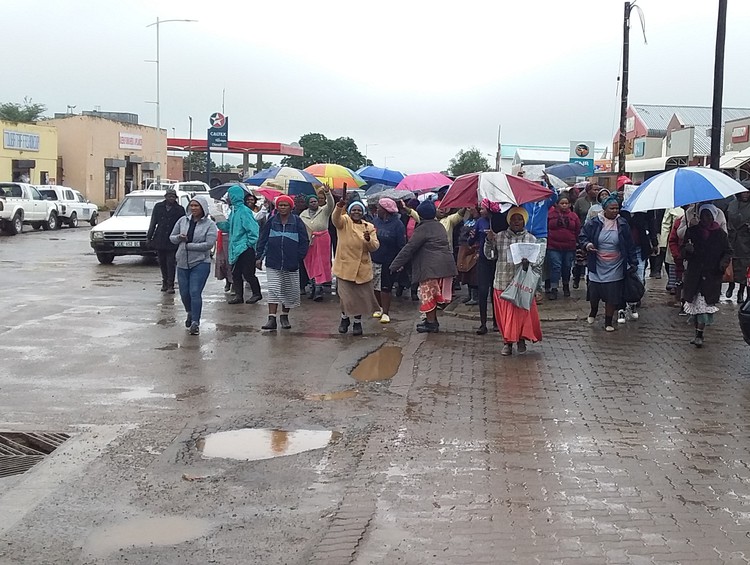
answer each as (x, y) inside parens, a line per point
(590, 320)
(385, 318)
(631, 313)
(609, 329)
(377, 314)
(621, 317)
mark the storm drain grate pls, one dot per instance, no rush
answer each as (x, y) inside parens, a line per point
(20, 451)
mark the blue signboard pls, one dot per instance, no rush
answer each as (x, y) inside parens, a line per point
(218, 133)
(588, 163)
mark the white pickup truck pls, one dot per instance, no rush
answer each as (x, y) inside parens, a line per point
(20, 204)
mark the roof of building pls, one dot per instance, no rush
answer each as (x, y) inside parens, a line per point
(656, 117)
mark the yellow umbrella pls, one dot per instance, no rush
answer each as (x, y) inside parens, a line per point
(334, 176)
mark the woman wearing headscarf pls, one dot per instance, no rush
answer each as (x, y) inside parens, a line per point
(243, 235)
(708, 253)
(392, 238)
(738, 222)
(432, 265)
(356, 239)
(283, 244)
(318, 259)
(516, 324)
(611, 255)
(195, 236)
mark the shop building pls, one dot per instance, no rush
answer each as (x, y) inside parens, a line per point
(28, 153)
(105, 155)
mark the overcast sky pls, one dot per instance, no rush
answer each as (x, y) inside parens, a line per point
(415, 80)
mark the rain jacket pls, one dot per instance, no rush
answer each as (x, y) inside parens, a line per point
(283, 246)
(538, 213)
(204, 238)
(242, 226)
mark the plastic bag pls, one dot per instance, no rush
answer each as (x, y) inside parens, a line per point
(633, 288)
(521, 289)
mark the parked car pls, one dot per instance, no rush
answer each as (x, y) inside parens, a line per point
(163, 185)
(71, 205)
(125, 232)
(191, 186)
(20, 204)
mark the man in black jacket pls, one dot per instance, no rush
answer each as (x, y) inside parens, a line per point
(163, 219)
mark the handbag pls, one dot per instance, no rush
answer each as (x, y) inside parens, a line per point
(633, 289)
(520, 291)
(467, 258)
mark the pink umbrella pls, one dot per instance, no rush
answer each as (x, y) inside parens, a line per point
(423, 182)
(469, 190)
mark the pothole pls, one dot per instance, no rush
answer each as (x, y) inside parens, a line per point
(340, 395)
(379, 365)
(145, 532)
(20, 451)
(256, 444)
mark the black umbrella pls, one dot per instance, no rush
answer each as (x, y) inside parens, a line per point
(218, 192)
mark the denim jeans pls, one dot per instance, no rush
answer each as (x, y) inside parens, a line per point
(560, 263)
(192, 281)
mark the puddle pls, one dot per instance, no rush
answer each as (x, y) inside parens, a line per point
(142, 393)
(340, 395)
(257, 444)
(197, 391)
(145, 532)
(379, 365)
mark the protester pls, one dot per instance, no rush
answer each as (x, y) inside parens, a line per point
(432, 264)
(611, 254)
(563, 229)
(708, 253)
(195, 236)
(468, 256)
(410, 219)
(243, 235)
(536, 225)
(282, 245)
(738, 222)
(447, 220)
(318, 259)
(646, 242)
(260, 213)
(676, 237)
(353, 264)
(392, 238)
(485, 266)
(582, 205)
(163, 219)
(596, 208)
(666, 226)
(516, 324)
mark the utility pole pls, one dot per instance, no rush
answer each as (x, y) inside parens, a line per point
(624, 89)
(716, 115)
(190, 150)
(499, 149)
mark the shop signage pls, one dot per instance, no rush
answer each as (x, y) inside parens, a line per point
(740, 134)
(218, 133)
(582, 152)
(20, 140)
(130, 140)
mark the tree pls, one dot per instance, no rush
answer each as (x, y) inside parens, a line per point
(469, 161)
(27, 112)
(319, 149)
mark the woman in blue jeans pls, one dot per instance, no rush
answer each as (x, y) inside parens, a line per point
(563, 226)
(195, 235)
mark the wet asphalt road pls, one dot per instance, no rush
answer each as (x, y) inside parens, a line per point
(593, 448)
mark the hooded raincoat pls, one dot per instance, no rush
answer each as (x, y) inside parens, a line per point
(242, 225)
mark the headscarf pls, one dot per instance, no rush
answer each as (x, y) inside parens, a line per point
(427, 210)
(388, 205)
(603, 194)
(413, 203)
(622, 180)
(609, 200)
(491, 206)
(609, 225)
(310, 197)
(518, 210)
(714, 211)
(356, 203)
(284, 198)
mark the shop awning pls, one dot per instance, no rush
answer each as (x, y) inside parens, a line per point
(655, 164)
(735, 159)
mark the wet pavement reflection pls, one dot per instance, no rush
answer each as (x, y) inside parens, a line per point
(379, 365)
(255, 444)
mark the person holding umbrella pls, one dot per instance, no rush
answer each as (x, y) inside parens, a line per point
(318, 259)
(283, 245)
(708, 253)
(356, 239)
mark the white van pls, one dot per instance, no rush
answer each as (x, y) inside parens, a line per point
(71, 205)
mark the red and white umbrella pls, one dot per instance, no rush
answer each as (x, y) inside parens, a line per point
(470, 190)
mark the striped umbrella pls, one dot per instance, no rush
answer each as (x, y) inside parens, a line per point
(288, 180)
(335, 176)
(678, 187)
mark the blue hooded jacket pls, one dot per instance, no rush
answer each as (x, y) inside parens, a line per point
(283, 246)
(243, 227)
(538, 213)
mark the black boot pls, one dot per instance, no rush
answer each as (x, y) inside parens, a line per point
(318, 294)
(741, 294)
(163, 287)
(482, 329)
(311, 294)
(270, 324)
(357, 328)
(227, 286)
(414, 295)
(254, 298)
(566, 290)
(238, 299)
(344, 325)
(473, 296)
(553, 294)
(284, 321)
(428, 327)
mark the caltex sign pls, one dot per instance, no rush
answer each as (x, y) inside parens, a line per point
(218, 133)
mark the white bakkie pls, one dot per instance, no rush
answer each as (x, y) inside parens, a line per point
(20, 204)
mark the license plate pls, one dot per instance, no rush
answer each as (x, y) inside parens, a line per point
(127, 243)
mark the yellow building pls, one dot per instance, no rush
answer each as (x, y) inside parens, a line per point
(106, 158)
(28, 153)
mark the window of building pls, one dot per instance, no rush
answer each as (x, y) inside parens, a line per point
(110, 183)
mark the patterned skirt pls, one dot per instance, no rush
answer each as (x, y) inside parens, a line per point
(283, 287)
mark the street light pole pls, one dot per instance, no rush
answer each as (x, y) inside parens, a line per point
(624, 90)
(716, 114)
(190, 150)
(158, 23)
(367, 146)
(385, 160)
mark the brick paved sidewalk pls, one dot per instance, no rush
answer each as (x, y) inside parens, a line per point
(596, 448)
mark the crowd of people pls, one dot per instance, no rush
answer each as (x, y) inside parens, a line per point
(371, 249)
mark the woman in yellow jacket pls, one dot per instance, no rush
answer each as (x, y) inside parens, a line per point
(352, 264)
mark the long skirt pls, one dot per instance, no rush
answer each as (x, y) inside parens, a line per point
(699, 311)
(433, 292)
(283, 287)
(356, 299)
(318, 258)
(516, 323)
(223, 270)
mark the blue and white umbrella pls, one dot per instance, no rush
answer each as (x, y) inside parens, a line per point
(679, 187)
(286, 179)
